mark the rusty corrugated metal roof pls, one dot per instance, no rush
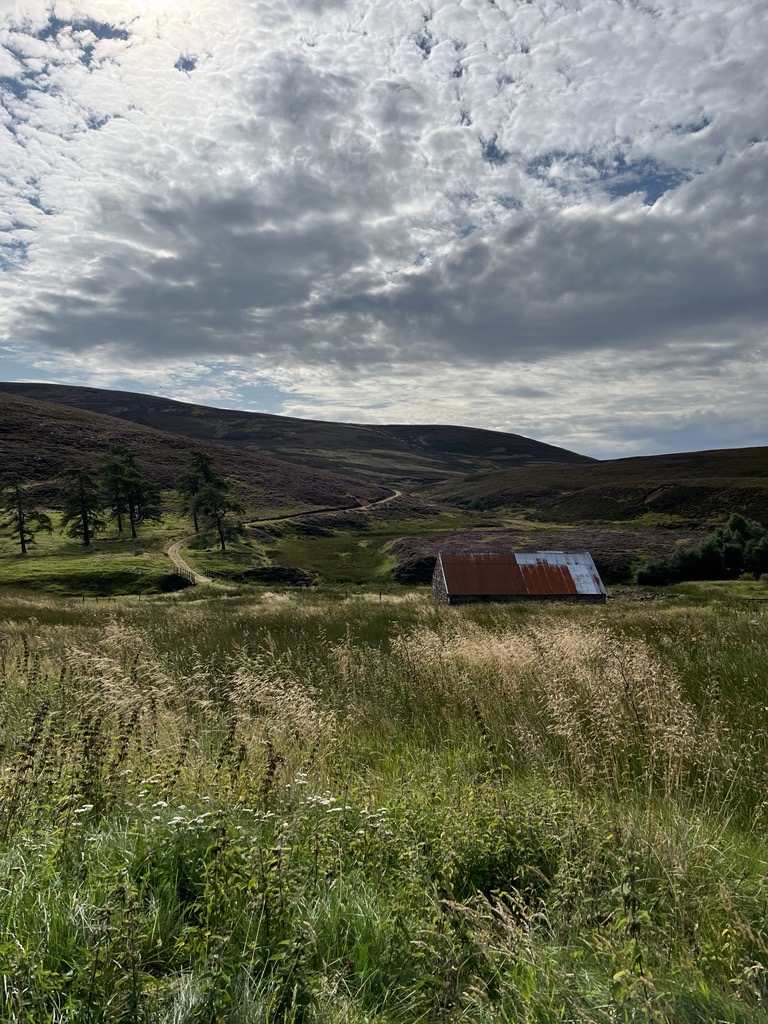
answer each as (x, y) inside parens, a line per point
(520, 574)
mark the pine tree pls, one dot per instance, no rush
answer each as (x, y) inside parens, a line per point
(111, 471)
(129, 491)
(23, 518)
(142, 496)
(215, 503)
(207, 496)
(189, 485)
(82, 505)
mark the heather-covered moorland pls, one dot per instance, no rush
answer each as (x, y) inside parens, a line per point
(301, 807)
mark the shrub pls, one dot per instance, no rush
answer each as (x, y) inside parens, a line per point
(741, 546)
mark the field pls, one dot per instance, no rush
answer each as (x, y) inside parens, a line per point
(252, 806)
(111, 564)
(399, 541)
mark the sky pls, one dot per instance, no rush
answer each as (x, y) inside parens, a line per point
(540, 216)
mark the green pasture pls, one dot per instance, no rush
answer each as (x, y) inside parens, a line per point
(111, 564)
(355, 554)
(755, 591)
(230, 805)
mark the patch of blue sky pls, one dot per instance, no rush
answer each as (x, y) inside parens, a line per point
(617, 177)
(17, 87)
(646, 176)
(13, 253)
(257, 397)
(33, 197)
(219, 385)
(101, 29)
(222, 387)
(14, 366)
(186, 62)
(97, 123)
(509, 202)
(492, 152)
(692, 127)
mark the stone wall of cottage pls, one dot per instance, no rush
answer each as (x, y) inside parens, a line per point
(439, 589)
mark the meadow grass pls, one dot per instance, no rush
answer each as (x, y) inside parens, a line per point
(111, 564)
(313, 807)
(348, 556)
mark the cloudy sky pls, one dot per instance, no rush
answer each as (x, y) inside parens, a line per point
(543, 216)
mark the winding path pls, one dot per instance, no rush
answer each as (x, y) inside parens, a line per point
(174, 551)
(186, 569)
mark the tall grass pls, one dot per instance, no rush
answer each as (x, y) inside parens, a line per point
(353, 810)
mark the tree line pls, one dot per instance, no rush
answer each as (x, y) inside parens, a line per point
(118, 489)
(738, 548)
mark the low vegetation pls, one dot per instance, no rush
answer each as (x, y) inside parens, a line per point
(64, 437)
(378, 453)
(252, 803)
(296, 807)
(690, 490)
(740, 548)
(111, 564)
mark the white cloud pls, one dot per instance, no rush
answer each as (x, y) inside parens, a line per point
(348, 197)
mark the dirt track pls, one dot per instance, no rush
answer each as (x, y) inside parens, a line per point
(174, 551)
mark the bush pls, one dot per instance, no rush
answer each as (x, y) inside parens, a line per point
(739, 547)
(415, 570)
(285, 574)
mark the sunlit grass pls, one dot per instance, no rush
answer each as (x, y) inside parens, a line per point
(112, 563)
(347, 807)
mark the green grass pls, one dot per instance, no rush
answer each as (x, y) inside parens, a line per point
(232, 806)
(209, 558)
(357, 557)
(726, 590)
(111, 564)
(343, 558)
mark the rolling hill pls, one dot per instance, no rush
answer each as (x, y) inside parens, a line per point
(397, 455)
(695, 487)
(294, 462)
(622, 510)
(39, 439)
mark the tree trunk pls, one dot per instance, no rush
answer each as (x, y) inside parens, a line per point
(220, 528)
(194, 520)
(84, 515)
(20, 518)
(118, 512)
(132, 515)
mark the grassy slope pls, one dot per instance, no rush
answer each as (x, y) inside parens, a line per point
(386, 454)
(322, 811)
(111, 564)
(695, 487)
(341, 548)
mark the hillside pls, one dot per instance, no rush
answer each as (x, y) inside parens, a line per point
(39, 439)
(400, 455)
(697, 487)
